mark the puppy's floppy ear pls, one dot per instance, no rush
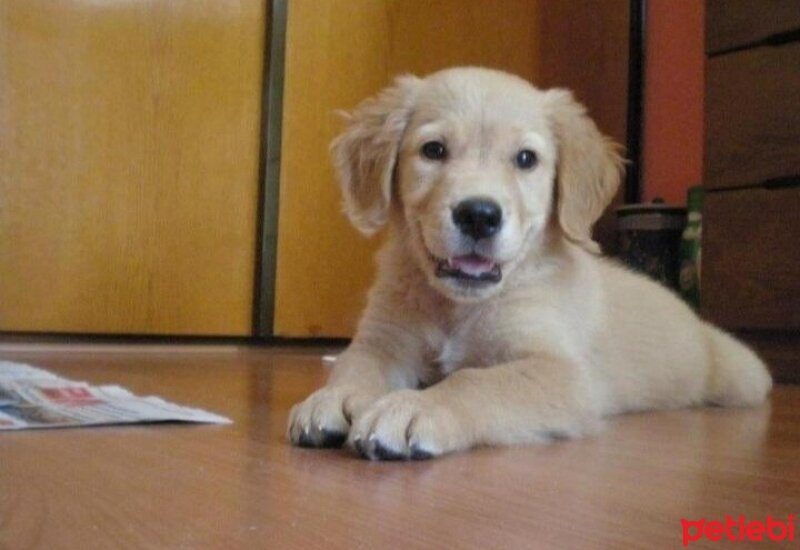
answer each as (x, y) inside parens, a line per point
(365, 154)
(589, 168)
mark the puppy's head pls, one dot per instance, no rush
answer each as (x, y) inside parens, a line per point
(473, 160)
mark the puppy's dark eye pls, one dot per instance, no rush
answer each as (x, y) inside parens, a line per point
(434, 150)
(526, 159)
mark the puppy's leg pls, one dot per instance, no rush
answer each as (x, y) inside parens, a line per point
(358, 379)
(518, 402)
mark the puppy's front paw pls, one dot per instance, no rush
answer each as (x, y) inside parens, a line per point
(323, 419)
(406, 424)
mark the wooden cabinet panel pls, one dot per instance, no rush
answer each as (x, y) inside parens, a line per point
(752, 131)
(341, 51)
(780, 350)
(129, 146)
(736, 23)
(751, 258)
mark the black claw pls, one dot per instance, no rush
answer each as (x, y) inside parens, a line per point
(557, 436)
(332, 439)
(419, 454)
(361, 448)
(384, 453)
(306, 440)
(326, 438)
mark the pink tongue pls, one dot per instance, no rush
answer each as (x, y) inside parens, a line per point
(472, 264)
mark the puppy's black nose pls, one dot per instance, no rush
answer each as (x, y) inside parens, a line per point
(479, 218)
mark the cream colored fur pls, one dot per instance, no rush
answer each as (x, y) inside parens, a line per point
(563, 340)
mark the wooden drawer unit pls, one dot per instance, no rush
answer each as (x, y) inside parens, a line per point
(751, 215)
(752, 132)
(733, 24)
(751, 259)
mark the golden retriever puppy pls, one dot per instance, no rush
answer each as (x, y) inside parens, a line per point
(493, 320)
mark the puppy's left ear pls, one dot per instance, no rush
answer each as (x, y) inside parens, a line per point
(589, 168)
(365, 154)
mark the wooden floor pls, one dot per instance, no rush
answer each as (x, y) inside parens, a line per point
(243, 486)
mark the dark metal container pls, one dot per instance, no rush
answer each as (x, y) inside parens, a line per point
(650, 239)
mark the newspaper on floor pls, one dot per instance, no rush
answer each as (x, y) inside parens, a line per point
(34, 398)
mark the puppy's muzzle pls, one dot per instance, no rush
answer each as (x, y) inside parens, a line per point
(477, 218)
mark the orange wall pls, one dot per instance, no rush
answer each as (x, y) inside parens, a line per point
(673, 102)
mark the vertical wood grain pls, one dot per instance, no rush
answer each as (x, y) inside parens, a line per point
(129, 143)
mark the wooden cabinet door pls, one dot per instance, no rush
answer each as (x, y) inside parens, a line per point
(338, 52)
(129, 147)
(751, 259)
(752, 132)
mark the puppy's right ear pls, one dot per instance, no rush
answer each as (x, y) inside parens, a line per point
(365, 154)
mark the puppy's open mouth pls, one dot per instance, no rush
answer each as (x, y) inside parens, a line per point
(470, 267)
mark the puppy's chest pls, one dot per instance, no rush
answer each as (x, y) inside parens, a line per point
(467, 345)
(451, 356)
